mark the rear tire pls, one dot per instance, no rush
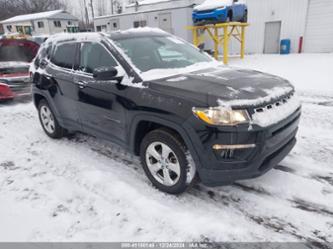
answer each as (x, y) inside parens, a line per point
(48, 121)
(163, 157)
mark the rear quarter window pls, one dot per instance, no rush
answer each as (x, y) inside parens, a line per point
(64, 55)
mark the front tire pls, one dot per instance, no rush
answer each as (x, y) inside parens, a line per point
(48, 121)
(163, 157)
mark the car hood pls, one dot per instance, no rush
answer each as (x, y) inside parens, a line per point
(231, 86)
(212, 4)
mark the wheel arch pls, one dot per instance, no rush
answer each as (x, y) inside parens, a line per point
(40, 95)
(37, 98)
(143, 124)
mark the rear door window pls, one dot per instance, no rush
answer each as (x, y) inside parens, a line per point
(93, 56)
(64, 55)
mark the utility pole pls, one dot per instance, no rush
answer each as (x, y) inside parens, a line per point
(86, 13)
(92, 9)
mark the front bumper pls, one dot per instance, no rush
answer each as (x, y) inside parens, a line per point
(217, 15)
(18, 87)
(5, 92)
(272, 145)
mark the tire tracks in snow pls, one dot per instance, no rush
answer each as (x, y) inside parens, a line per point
(272, 223)
(241, 198)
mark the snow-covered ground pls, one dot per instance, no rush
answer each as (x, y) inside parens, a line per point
(308, 72)
(85, 189)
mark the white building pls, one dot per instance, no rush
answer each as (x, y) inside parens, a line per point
(306, 22)
(43, 23)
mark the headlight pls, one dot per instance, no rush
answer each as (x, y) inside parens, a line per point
(221, 115)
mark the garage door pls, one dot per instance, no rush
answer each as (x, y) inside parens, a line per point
(319, 28)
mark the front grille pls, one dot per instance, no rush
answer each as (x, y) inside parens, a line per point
(17, 84)
(278, 103)
(274, 112)
(205, 11)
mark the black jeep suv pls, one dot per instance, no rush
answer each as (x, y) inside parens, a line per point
(186, 115)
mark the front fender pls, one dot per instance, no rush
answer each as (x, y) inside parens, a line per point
(170, 122)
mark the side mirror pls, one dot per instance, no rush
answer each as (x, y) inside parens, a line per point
(43, 63)
(106, 73)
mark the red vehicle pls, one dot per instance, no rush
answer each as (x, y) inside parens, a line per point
(15, 58)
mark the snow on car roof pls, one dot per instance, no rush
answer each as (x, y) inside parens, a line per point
(34, 16)
(98, 35)
(214, 4)
(59, 37)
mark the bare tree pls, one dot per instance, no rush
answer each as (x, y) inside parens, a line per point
(9, 8)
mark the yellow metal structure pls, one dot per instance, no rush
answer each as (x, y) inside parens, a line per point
(221, 34)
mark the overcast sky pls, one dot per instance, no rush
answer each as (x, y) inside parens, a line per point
(101, 7)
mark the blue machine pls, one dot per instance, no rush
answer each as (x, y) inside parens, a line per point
(228, 11)
(285, 46)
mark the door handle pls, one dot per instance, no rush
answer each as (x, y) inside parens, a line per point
(82, 84)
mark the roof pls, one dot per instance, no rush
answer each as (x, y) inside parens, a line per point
(40, 15)
(145, 2)
(143, 11)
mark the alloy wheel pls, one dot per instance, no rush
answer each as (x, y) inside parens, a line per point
(163, 163)
(47, 119)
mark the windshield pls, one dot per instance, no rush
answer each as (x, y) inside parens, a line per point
(16, 53)
(160, 52)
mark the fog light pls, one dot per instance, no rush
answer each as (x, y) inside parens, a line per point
(232, 146)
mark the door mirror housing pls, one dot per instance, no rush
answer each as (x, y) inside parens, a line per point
(105, 74)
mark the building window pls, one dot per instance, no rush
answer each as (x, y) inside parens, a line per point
(115, 25)
(27, 30)
(69, 23)
(19, 29)
(141, 23)
(57, 24)
(102, 28)
(40, 25)
(9, 28)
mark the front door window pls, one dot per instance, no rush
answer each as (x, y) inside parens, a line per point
(93, 56)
